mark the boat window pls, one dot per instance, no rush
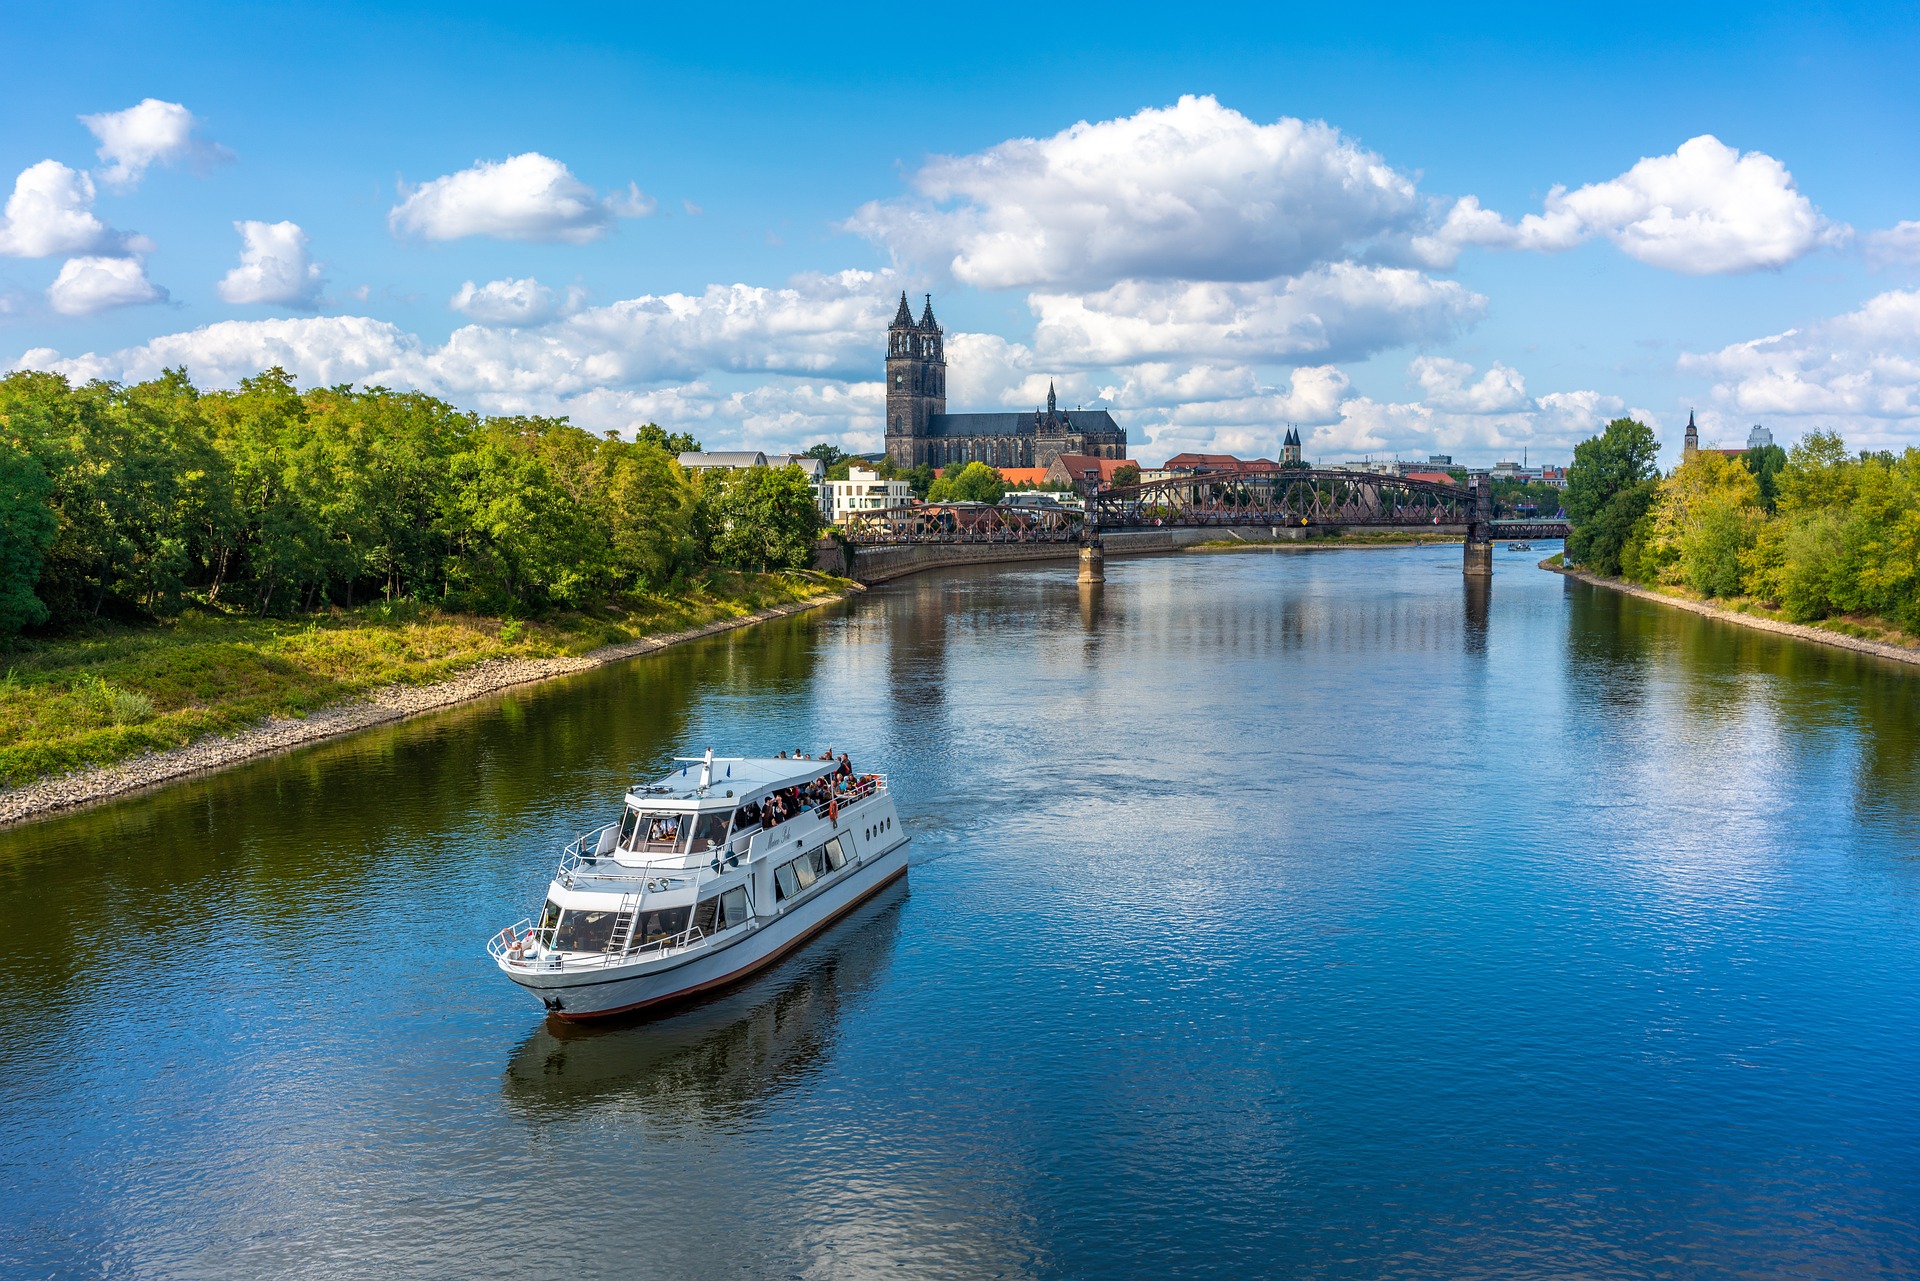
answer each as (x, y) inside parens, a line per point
(706, 916)
(785, 884)
(709, 830)
(733, 907)
(657, 927)
(803, 869)
(584, 931)
(628, 822)
(819, 860)
(836, 854)
(663, 830)
(549, 917)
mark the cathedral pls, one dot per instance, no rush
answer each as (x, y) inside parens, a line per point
(920, 430)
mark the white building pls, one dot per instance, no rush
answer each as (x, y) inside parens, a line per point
(862, 491)
(1759, 437)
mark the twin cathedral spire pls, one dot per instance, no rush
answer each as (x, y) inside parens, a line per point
(921, 431)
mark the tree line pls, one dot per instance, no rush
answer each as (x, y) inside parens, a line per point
(1816, 532)
(136, 501)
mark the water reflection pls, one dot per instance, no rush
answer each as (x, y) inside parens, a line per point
(720, 1062)
(1477, 592)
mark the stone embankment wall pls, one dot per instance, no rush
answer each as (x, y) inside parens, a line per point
(883, 564)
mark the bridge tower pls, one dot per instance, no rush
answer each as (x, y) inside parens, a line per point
(1479, 548)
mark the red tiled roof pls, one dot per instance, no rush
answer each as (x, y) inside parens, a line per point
(1218, 462)
(1437, 477)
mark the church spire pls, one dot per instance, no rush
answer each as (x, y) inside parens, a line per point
(926, 317)
(1052, 405)
(903, 319)
(1691, 442)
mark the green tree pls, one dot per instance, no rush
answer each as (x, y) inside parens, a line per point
(1126, 474)
(675, 443)
(1702, 526)
(27, 530)
(1610, 486)
(829, 455)
(759, 518)
(1766, 463)
(974, 483)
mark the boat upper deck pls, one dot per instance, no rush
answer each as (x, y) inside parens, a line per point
(714, 814)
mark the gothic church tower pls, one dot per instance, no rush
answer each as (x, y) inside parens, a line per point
(916, 383)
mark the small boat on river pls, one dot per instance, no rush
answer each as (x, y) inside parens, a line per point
(710, 874)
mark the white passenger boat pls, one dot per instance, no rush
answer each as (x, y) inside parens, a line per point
(710, 874)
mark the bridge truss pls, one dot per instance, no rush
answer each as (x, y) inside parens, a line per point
(1292, 497)
(963, 523)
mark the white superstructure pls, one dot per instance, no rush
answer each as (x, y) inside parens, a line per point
(710, 874)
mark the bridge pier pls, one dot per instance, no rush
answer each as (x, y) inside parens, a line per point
(1478, 553)
(1093, 562)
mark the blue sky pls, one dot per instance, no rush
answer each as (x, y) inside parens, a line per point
(1216, 221)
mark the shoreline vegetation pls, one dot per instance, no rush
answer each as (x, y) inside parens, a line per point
(1815, 543)
(1865, 635)
(92, 718)
(215, 573)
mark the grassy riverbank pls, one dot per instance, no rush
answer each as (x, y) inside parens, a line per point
(119, 692)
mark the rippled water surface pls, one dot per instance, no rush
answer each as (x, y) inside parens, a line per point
(1271, 914)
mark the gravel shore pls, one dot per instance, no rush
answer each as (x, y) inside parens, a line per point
(1818, 635)
(393, 703)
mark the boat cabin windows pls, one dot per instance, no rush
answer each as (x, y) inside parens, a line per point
(629, 824)
(584, 931)
(709, 830)
(721, 912)
(659, 926)
(549, 917)
(796, 876)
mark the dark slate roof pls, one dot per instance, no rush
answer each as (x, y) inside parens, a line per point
(1014, 424)
(903, 319)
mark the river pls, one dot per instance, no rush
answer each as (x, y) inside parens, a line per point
(1273, 913)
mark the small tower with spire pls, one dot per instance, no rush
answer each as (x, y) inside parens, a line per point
(1290, 449)
(1692, 441)
(916, 381)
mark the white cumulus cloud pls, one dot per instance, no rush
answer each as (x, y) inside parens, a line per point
(1192, 191)
(506, 302)
(1898, 244)
(1449, 384)
(51, 212)
(525, 197)
(148, 133)
(1707, 209)
(275, 267)
(1339, 312)
(88, 285)
(1860, 371)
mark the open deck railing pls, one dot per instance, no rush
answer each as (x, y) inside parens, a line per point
(510, 940)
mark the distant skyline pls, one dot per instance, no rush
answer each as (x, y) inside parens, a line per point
(1408, 231)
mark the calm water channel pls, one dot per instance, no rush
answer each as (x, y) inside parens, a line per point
(1271, 914)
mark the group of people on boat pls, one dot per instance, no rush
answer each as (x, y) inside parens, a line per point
(829, 791)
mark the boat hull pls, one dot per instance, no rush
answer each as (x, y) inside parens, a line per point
(579, 995)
